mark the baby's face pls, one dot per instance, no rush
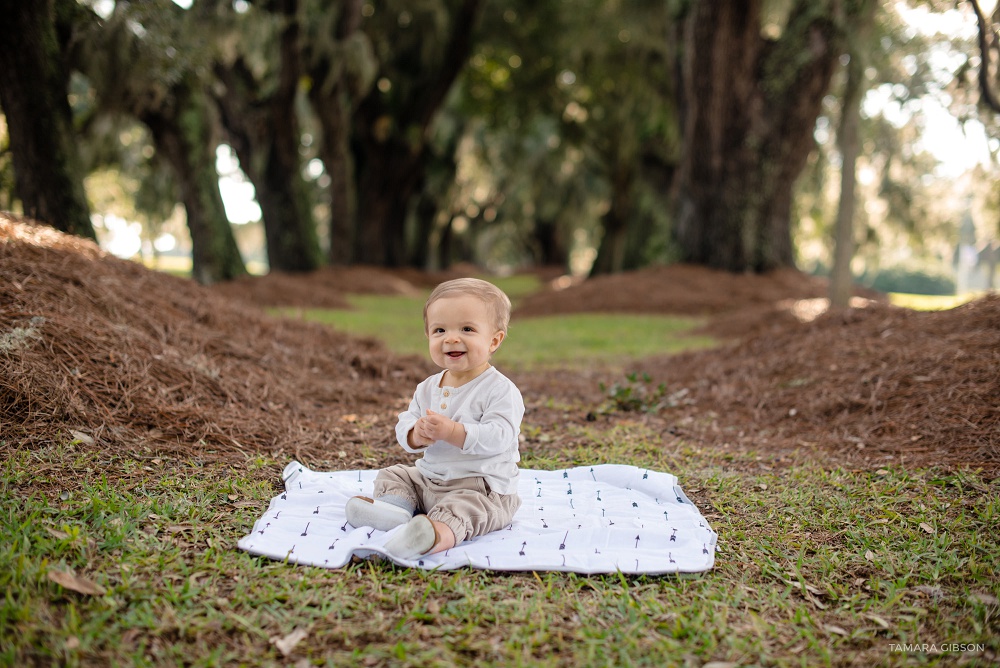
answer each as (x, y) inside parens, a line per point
(461, 336)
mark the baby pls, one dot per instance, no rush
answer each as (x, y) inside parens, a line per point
(465, 421)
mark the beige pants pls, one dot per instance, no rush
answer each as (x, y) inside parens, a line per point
(467, 505)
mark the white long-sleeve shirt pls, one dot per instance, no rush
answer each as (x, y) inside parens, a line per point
(490, 408)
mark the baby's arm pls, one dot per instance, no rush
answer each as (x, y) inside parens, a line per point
(406, 434)
(498, 427)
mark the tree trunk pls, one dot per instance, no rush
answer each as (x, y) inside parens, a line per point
(183, 134)
(841, 281)
(751, 107)
(425, 214)
(611, 253)
(393, 151)
(388, 183)
(264, 132)
(339, 76)
(335, 151)
(550, 245)
(33, 84)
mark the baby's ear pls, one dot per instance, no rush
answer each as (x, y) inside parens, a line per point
(497, 340)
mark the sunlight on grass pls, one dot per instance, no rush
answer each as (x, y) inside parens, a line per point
(531, 342)
(931, 302)
(597, 337)
(396, 321)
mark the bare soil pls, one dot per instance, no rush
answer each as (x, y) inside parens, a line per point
(113, 355)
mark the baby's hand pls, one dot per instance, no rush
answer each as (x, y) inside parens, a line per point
(435, 427)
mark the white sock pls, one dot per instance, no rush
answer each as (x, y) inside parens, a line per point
(417, 537)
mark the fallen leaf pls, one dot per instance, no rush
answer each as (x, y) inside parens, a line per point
(232, 497)
(929, 590)
(882, 472)
(72, 642)
(835, 629)
(179, 528)
(815, 601)
(985, 599)
(870, 556)
(130, 637)
(76, 583)
(55, 533)
(287, 643)
(878, 620)
(350, 417)
(86, 439)
(927, 527)
(720, 664)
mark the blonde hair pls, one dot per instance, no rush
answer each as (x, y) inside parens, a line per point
(497, 303)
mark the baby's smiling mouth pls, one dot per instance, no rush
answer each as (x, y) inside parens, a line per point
(455, 354)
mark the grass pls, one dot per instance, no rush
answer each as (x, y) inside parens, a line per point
(531, 342)
(931, 302)
(816, 565)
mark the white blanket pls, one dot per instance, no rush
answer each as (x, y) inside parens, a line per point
(589, 519)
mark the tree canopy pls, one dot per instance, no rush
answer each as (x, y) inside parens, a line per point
(598, 135)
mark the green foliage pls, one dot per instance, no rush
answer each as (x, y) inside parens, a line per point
(638, 394)
(901, 278)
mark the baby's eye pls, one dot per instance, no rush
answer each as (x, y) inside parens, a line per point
(438, 330)
(468, 329)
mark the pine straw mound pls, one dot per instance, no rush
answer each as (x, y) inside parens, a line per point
(734, 305)
(679, 289)
(871, 385)
(125, 356)
(323, 288)
(138, 360)
(326, 287)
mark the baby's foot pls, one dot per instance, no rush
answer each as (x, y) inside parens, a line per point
(413, 540)
(365, 512)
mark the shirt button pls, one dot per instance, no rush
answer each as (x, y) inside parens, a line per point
(447, 393)
(444, 405)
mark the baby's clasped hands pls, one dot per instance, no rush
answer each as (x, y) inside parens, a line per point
(435, 427)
